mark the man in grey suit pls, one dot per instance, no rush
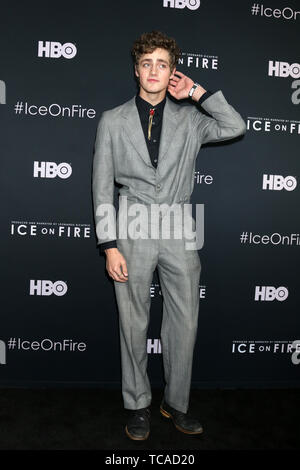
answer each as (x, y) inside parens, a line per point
(149, 146)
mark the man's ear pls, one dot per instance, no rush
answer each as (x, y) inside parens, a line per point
(135, 71)
(173, 72)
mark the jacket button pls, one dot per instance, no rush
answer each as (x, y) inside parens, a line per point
(158, 186)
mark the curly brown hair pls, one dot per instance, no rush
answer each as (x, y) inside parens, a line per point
(148, 42)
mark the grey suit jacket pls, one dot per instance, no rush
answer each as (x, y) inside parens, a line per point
(121, 152)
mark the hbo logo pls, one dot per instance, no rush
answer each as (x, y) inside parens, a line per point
(47, 287)
(271, 293)
(51, 170)
(278, 182)
(56, 50)
(191, 4)
(295, 356)
(284, 69)
(153, 346)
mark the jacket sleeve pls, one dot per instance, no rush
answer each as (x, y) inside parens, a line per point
(103, 184)
(225, 123)
(106, 245)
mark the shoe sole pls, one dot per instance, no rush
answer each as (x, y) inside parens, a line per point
(168, 415)
(135, 438)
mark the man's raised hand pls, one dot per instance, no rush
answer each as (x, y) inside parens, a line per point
(179, 87)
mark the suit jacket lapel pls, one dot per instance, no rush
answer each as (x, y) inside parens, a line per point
(169, 125)
(134, 130)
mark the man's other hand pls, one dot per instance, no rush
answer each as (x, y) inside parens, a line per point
(116, 265)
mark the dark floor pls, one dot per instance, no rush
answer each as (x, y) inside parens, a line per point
(83, 419)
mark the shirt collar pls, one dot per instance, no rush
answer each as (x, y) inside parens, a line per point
(144, 106)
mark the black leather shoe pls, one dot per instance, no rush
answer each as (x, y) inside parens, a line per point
(182, 421)
(138, 424)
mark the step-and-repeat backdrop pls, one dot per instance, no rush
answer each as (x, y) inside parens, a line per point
(61, 65)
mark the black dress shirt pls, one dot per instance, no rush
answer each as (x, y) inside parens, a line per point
(143, 108)
(153, 144)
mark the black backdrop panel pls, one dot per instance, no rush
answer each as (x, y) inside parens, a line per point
(59, 318)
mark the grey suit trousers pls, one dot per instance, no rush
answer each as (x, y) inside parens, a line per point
(179, 274)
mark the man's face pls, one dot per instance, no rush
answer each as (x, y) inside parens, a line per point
(154, 71)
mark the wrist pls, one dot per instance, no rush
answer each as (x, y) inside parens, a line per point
(110, 250)
(198, 92)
